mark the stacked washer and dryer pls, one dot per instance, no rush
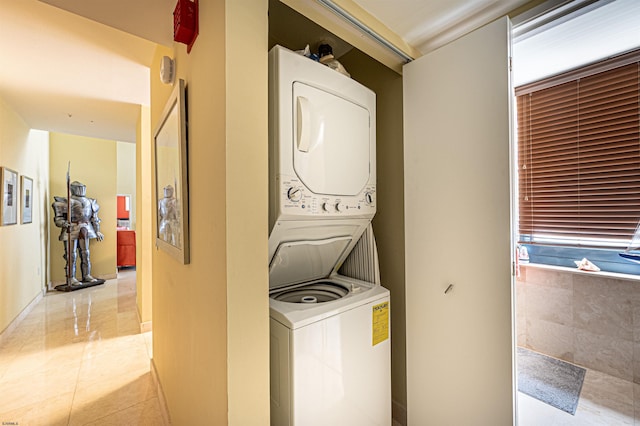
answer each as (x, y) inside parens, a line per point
(330, 333)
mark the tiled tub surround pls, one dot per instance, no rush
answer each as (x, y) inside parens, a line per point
(590, 319)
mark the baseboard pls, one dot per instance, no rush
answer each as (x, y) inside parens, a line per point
(163, 402)
(146, 326)
(22, 315)
(399, 412)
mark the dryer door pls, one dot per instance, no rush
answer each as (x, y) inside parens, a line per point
(332, 141)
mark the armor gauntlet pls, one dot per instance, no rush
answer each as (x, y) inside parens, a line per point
(95, 220)
(60, 209)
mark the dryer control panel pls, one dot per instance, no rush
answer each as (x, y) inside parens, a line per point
(296, 200)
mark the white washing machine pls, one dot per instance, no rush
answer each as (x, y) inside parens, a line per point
(330, 334)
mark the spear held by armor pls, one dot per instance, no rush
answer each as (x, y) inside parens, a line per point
(68, 226)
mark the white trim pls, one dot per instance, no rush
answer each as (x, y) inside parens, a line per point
(536, 12)
(161, 399)
(342, 13)
(6, 333)
(605, 64)
(549, 14)
(146, 326)
(601, 274)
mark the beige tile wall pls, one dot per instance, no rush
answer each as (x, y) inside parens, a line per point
(586, 318)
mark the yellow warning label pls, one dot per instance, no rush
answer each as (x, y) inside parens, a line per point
(380, 323)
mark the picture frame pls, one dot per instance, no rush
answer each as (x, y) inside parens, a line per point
(26, 189)
(171, 177)
(9, 206)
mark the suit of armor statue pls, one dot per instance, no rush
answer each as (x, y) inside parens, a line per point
(82, 226)
(168, 227)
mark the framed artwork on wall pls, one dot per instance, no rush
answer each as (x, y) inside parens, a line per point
(9, 207)
(172, 190)
(26, 187)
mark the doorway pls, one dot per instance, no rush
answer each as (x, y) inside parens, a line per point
(583, 318)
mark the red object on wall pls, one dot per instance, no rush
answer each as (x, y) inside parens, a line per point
(123, 211)
(126, 248)
(185, 22)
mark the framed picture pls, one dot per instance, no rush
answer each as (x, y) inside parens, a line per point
(26, 187)
(9, 207)
(172, 189)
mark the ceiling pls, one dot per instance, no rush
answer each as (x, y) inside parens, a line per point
(65, 73)
(82, 67)
(429, 24)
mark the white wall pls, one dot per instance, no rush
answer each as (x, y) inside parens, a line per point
(23, 252)
(126, 176)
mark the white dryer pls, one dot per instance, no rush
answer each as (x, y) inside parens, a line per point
(330, 334)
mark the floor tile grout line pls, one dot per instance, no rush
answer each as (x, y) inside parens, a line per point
(75, 388)
(83, 361)
(112, 413)
(31, 325)
(93, 421)
(73, 398)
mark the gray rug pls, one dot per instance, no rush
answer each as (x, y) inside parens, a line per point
(550, 380)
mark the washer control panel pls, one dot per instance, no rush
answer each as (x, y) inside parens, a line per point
(296, 199)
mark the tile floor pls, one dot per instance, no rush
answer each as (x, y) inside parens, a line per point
(79, 358)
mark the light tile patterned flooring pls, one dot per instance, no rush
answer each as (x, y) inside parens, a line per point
(79, 358)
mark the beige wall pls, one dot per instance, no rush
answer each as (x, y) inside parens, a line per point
(388, 224)
(210, 317)
(94, 163)
(145, 211)
(247, 212)
(590, 319)
(23, 252)
(126, 176)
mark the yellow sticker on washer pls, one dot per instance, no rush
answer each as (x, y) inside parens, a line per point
(380, 323)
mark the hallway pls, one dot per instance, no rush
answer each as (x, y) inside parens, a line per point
(79, 358)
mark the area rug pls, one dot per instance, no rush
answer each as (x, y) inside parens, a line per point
(550, 380)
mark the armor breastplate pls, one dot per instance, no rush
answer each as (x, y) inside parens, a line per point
(82, 211)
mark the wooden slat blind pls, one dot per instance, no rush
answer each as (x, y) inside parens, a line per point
(579, 159)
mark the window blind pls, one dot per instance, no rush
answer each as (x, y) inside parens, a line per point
(579, 157)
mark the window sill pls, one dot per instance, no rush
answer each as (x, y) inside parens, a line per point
(603, 274)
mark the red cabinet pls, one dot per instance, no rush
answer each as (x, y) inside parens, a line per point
(126, 248)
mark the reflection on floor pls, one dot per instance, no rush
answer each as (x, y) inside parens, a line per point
(79, 358)
(605, 400)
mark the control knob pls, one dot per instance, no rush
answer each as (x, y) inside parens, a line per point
(294, 194)
(368, 198)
